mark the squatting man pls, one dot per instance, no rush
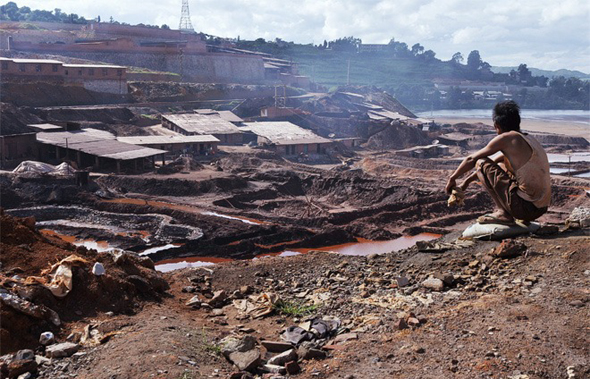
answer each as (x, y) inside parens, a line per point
(518, 180)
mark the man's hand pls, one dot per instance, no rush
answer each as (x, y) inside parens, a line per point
(451, 183)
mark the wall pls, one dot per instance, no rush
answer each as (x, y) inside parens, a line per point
(51, 70)
(152, 77)
(108, 86)
(201, 68)
(17, 148)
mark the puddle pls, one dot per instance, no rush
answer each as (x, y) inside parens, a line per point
(176, 264)
(155, 249)
(99, 246)
(558, 170)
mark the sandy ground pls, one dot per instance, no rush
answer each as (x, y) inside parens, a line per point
(538, 126)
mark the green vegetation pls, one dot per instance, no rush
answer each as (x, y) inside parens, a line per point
(210, 347)
(11, 12)
(294, 309)
(410, 73)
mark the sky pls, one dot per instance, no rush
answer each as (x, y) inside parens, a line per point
(545, 34)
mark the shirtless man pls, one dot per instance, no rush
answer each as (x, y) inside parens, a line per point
(518, 180)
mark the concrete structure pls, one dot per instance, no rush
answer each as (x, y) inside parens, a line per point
(90, 147)
(191, 124)
(47, 127)
(286, 138)
(98, 78)
(276, 112)
(197, 144)
(16, 148)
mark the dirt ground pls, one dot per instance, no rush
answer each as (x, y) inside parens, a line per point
(496, 318)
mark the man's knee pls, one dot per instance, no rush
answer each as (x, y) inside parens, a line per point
(480, 162)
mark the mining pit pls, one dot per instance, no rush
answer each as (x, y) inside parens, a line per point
(188, 248)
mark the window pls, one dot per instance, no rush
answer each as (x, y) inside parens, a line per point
(105, 72)
(54, 68)
(91, 71)
(22, 67)
(79, 72)
(66, 72)
(37, 68)
(306, 149)
(119, 72)
(4, 65)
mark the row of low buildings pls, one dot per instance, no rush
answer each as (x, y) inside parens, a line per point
(197, 134)
(98, 78)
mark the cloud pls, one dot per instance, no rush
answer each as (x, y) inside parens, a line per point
(542, 33)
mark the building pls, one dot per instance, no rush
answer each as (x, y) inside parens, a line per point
(98, 78)
(190, 124)
(97, 149)
(15, 148)
(286, 138)
(181, 144)
(226, 115)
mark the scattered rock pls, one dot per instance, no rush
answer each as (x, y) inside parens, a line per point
(276, 346)
(343, 338)
(509, 249)
(98, 269)
(402, 281)
(419, 349)
(433, 284)
(247, 360)
(59, 350)
(194, 302)
(281, 359)
(400, 324)
(273, 369)
(23, 362)
(46, 338)
(292, 367)
(218, 299)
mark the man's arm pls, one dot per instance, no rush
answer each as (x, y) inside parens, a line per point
(473, 176)
(495, 145)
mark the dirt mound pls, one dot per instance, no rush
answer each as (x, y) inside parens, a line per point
(14, 120)
(31, 304)
(180, 164)
(171, 187)
(396, 136)
(259, 161)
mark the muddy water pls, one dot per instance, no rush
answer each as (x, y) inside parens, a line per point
(175, 264)
(99, 246)
(367, 247)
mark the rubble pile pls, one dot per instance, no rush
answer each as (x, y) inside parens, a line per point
(46, 283)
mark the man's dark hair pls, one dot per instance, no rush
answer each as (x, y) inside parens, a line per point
(507, 116)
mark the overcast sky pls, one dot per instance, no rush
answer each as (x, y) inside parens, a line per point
(546, 34)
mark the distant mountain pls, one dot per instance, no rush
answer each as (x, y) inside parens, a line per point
(539, 72)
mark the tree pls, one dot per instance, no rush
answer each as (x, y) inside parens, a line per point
(474, 61)
(429, 55)
(165, 27)
(417, 49)
(457, 58)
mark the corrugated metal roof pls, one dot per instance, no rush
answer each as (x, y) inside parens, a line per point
(38, 61)
(151, 140)
(284, 133)
(72, 65)
(226, 115)
(202, 124)
(94, 145)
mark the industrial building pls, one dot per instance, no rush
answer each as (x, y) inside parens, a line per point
(96, 148)
(286, 138)
(180, 144)
(190, 124)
